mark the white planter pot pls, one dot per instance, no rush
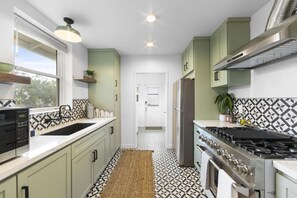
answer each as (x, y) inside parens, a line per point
(222, 118)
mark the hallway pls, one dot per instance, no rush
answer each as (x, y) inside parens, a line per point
(170, 179)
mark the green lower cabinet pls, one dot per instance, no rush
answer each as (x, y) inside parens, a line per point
(48, 178)
(87, 167)
(100, 162)
(285, 188)
(82, 173)
(8, 188)
(112, 139)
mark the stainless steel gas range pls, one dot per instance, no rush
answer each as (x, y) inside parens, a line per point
(246, 154)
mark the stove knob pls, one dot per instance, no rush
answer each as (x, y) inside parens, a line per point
(235, 162)
(220, 151)
(230, 161)
(226, 156)
(243, 169)
(213, 145)
(202, 138)
(209, 142)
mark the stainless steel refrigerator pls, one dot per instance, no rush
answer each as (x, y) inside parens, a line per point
(183, 116)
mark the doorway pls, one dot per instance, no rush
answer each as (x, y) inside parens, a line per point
(151, 103)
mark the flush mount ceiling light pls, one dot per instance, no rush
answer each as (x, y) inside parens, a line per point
(150, 44)
(151, 18)
(67, 33)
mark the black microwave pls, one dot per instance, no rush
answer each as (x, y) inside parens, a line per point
(14, 132)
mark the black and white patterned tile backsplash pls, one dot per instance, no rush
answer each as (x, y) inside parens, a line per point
(37, 121)
(278, 114)
(7, 103)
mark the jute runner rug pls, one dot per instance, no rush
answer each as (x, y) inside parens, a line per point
(133, 176)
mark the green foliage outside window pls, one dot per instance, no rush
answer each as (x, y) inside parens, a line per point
(41, 93)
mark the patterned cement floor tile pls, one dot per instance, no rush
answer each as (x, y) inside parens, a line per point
(171, 181)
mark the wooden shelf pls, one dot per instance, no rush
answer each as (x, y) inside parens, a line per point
(86, 79)
(12, 78)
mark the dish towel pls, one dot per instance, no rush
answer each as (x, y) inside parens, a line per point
(204, 170)
(225, 188)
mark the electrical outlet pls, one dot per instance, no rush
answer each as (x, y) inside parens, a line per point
(240, 109)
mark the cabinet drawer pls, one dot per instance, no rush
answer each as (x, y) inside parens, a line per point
(285, 188)
(82, 144)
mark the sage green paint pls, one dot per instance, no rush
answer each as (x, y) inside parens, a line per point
(85, 171)
(285, 188)
(205, 109)
(8, 188)
(82, 173)
(105, 94)
(188, 60)
(48, 178)
(87, 141)
(102, 93)
(232, 34)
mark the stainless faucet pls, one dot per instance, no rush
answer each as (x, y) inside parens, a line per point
(47, 120)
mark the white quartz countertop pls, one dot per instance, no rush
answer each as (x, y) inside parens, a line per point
(43, 146)
(289, 167)
(214, 123)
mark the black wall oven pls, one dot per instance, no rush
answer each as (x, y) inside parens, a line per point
(14, 132)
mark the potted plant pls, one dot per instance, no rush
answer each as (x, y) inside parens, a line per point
(90, 73)
(225, 103)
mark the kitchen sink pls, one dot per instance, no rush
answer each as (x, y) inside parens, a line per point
(68, 130)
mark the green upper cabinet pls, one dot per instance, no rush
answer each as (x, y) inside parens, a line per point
(231, 35)
(204, 94)
(105, 94)
(188, 60)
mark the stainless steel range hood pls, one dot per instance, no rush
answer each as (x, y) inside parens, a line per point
(277, 43)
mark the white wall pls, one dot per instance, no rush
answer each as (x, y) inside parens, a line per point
(142, 81)
(79, 65)
(275, 80)
(78, 59)
(130, 65)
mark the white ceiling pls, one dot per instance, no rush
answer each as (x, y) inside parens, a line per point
(121, 24)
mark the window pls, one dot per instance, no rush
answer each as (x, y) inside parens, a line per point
(39, 62)
(37, 55)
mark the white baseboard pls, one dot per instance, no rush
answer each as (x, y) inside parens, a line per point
(125, 146)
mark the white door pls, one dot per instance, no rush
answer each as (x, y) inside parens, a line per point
(153, 107)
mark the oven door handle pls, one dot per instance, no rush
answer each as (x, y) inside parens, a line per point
(243, 190)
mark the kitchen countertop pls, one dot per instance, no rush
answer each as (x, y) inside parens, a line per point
(43, 146)
(289, 167)
(214, 123)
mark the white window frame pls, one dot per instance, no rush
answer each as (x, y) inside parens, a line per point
(39, 33)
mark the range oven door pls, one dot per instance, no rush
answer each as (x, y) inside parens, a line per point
(211, 192)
